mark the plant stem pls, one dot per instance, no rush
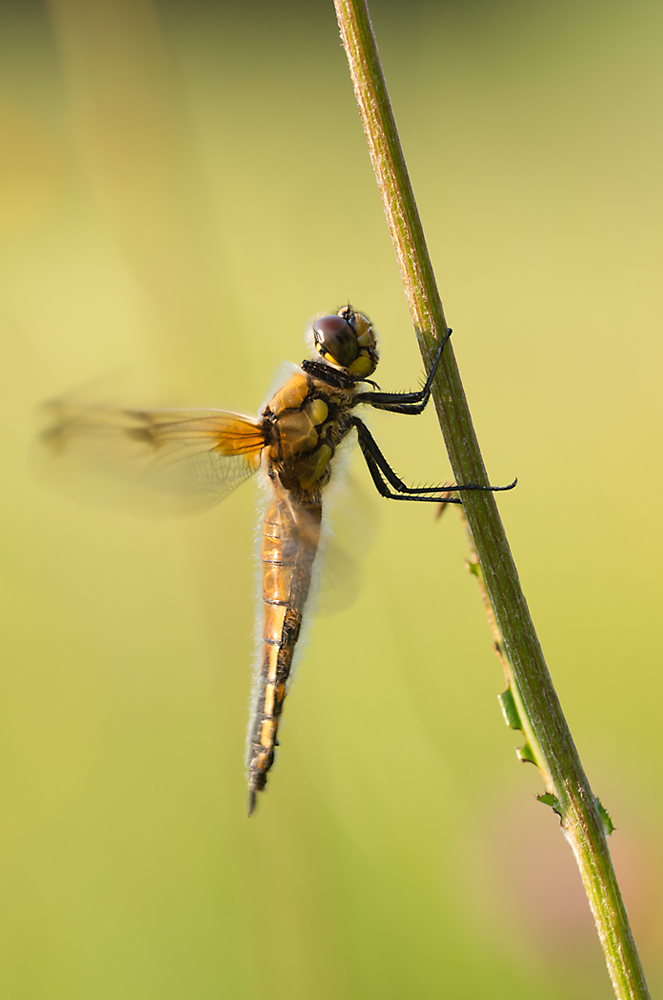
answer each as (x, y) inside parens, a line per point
(549, 741)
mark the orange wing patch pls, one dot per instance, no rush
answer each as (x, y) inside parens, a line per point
(153, 461)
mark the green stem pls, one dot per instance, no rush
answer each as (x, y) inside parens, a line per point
(549, 740)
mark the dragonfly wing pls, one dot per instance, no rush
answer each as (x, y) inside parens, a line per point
(151, 461)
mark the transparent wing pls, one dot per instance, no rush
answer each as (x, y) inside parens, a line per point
(351, 523)
(152, 461)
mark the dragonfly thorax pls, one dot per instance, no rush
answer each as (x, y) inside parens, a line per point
(303, 423)
(346, 340)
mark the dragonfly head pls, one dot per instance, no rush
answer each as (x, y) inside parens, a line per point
(347, 340)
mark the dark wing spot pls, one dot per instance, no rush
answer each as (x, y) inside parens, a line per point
(143, 434)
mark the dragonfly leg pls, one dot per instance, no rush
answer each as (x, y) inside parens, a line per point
(405, 402)
(384, 476)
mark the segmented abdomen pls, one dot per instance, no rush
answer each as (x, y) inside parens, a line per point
(290, 540)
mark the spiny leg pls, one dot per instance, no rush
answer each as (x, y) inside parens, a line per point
(384, 476)
(406, 402)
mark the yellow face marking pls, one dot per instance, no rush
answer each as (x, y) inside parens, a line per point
(363, 328)
(361, 367)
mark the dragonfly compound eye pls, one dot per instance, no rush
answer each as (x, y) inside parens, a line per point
(336, 340)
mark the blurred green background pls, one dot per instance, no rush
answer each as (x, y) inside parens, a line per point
(183, 184)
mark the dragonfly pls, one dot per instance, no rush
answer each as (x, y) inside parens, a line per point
(195, 458)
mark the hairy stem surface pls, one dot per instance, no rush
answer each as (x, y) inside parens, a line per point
(536, 706)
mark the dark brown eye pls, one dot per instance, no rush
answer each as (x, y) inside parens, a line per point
(336, 340)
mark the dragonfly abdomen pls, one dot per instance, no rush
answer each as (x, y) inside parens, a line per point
(290, 540)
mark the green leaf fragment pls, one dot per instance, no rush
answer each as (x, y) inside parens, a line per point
(509, 709)
(608, 825)
(551, 800)
(526, 754)
(473, 567)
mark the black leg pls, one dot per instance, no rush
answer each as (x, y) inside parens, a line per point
(384, 476)
(405, 402)
(383, 488)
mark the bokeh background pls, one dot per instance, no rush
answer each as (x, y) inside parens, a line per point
(183, 184)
